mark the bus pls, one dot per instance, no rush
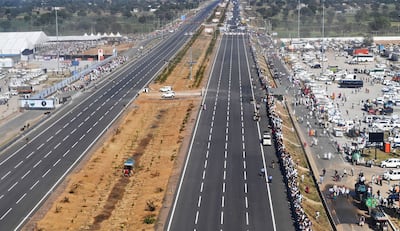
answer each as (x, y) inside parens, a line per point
(363, 58)
(351, 83)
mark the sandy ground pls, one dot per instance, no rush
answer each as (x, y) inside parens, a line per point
(97, 196)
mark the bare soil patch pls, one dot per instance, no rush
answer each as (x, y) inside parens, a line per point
(97, 196)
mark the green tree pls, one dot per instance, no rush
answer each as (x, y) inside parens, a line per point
(379, 23)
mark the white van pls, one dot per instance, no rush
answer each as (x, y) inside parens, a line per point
(392, 175)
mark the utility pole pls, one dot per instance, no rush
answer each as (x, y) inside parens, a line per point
(298, 19)
(58, 47)
(323, 37)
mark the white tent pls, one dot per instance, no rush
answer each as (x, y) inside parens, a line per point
(13, 43)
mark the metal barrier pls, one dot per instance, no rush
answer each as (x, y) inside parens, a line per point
(51, 90)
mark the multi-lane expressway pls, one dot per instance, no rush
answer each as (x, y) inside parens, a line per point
(220, 187)
(31, 169)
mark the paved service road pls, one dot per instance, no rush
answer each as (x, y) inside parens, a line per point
(31, 169)
(220, 188)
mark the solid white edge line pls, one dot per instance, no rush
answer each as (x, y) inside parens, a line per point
(190, 150)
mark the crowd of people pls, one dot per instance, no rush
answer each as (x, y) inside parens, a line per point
(96, 73)
(289, 167)
(67, 48)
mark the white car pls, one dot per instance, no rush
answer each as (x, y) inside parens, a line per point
(168, 95)
(266, 141)
(392, 175)
(166, 89)
(391, 163)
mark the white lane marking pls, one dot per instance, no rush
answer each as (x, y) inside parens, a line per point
(222, 217)
(51, 137)
(40, 146)
(72, 120)
(244, 164)
(197, 217)
(22, 197)
(95, 123)
(209, 137)
(22, 177)
(80, 113)
(72, 132)
(101, 118)
(226, 146)
(79, 125)
(223, 201)
(224, 175)
(80, 138)
(245, 187)
(66, 152)
(40, 161)
(208, 145)
(247, 218)
(205, 163)
(16, 166)
(207, 152)
(226, 138)
(65, 125)
(74, 144)
(199, 202)
(30, 154)
(224, 164)
(48, 154)
(244, 175)
(66, 137)
(56, 162)
(88, 130)
(87, 118)
(55, 147)
(12, 186)
(46, 173)
(226, 154)
(204, 174)
(5, 175)
(246, 202)
(223, 187)
(1, 196)
(5, 214)
(85, 109)
(244, 154)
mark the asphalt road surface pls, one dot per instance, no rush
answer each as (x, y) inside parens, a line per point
(30, 169)
(220, 187)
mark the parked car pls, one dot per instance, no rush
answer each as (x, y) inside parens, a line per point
(168, 95)
(391, 163)
(392, 175)
(166, 89)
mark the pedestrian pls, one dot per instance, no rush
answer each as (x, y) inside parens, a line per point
(269, 179)
(352, 171)
(323, 172)
(321, 179)
(347, 192)
(302, 177)
(362, 220)
(344, 172)
(317, 215)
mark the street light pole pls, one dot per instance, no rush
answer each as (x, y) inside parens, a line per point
(57, 46)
